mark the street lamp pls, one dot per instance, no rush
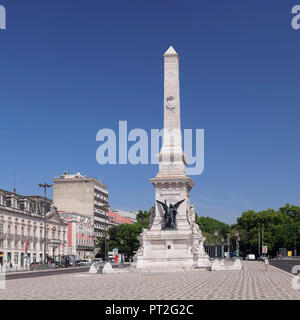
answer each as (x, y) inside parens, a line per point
(237, 251)
(228, 245)
(216, 233)
(45, 186)
(107, 237)
(121, 265)
(222, 247)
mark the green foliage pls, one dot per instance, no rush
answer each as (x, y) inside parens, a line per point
(143, 218)
(124, 236)
(280, 228)
(209, 225)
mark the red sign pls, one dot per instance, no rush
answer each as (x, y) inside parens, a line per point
(26, 246)
(116, 258)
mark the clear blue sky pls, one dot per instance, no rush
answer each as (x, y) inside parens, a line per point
(70, 68)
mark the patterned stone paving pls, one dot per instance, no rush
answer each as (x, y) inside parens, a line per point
(252, 283)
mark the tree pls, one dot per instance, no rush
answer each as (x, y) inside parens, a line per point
(125, 236)
(278, 228)
(143, 218)
(209, 225)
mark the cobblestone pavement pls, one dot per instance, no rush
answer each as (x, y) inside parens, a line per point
(253, 282)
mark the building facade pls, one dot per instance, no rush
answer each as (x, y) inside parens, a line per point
(117, 217)
(22, 224)
(85, 196)
(81, 239)
(121, 216)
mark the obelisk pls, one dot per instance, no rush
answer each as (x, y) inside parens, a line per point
(171, 157)
(178, 248)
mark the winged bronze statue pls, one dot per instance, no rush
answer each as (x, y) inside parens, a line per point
(170, 214)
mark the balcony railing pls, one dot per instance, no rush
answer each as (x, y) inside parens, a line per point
(17, 237)
(9, 236)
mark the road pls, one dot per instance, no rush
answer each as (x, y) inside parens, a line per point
(286, 265)
(44, 273)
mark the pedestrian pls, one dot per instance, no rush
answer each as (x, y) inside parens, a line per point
(266, 263)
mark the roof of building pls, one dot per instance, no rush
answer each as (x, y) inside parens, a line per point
(78, 176)
(128, 214)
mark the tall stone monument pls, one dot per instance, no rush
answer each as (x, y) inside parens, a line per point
(173, 240)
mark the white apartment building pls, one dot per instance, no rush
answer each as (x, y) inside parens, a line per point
(22, 226)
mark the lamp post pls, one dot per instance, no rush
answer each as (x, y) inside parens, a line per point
(222, 247)
(228, 245)
(121, 265)
(45, 186)
(107, 237)
(237, 250)
(295, 250)
(216, 233)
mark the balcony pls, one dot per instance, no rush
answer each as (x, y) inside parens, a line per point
(9, 236)
(17, 237)
(55, 241)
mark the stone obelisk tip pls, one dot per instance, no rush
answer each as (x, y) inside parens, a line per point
(171, 52)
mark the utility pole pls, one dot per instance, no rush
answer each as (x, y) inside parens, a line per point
(262, 236)
(259, 240)
(228, 244)
(295, 251)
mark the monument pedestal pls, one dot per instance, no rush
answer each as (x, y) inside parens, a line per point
(172, 250)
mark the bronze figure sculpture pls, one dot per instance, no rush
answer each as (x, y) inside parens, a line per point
(170, 214)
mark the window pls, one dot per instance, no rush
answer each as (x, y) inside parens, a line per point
(9, 229)
(16, 229)
(28, 231)
(16, 258)
(1, 228)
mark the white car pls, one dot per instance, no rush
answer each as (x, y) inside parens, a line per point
(250, 257)
(84, 262)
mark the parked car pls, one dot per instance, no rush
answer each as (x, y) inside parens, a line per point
(250, 257)
(83, 262)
